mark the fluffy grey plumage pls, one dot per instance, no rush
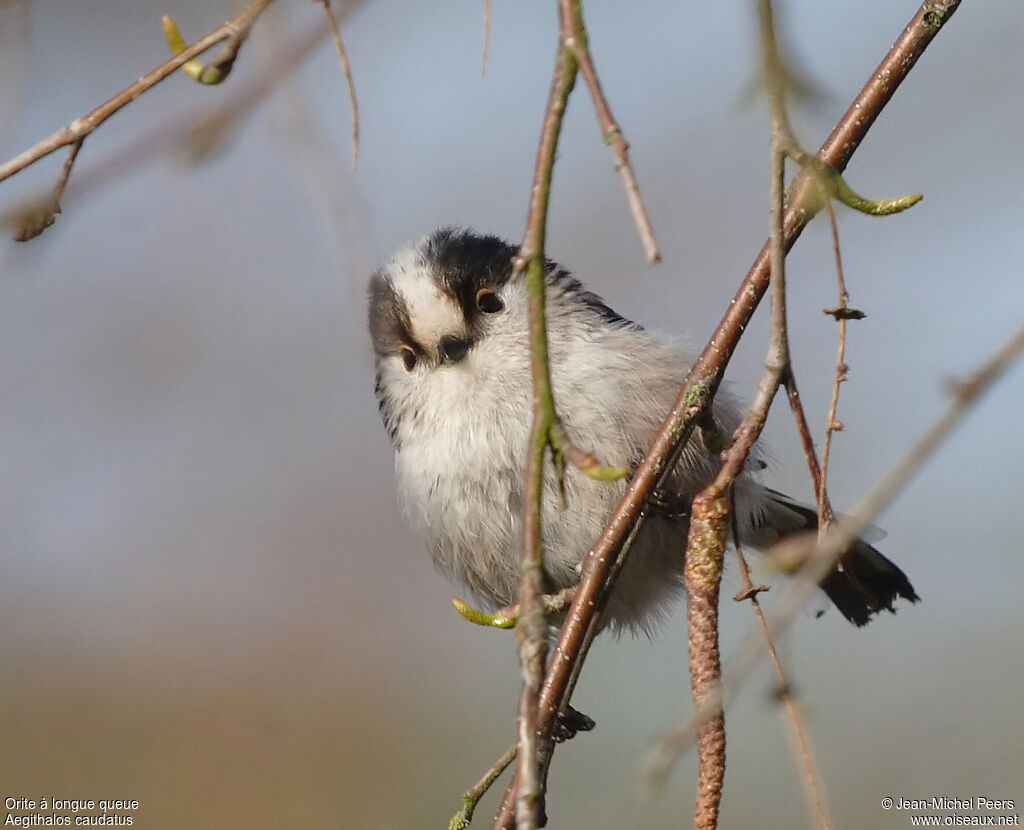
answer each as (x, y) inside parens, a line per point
(453, 383)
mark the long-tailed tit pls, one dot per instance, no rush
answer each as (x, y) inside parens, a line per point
(449, 330)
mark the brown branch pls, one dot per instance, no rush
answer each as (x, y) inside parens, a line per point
(525, 796)
(79, 129)
(705, 375)
(332, 22)
(36, 221)
(472, 796)
(802, 745)
(825, 512)
(819, 558)
(841, 313)
(784, 144)
(705, 552)
(531, 629)
(705, 548)
(965, 395)
(192, 134)
(575, 38)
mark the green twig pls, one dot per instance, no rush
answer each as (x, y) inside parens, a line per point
(219, 68)
(209, 74)
(873, 207)
(531, 629)
(508, 616)
(497, 619)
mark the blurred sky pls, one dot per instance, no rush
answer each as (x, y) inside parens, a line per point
(209, 601)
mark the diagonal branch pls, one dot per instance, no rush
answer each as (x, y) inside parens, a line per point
(822, 556)
(706, 374)
(193, 134)
(705, 548)
(802, 744)
(571, 12)
(79, 129)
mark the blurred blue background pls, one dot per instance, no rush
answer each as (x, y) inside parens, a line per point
(209, 601)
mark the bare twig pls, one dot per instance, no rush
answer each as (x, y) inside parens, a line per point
(842, 313)
(812, 783)
(346, 67)
(192, 134)
(705, 548)
(472, 796)
(710, 732)
(825, 512)
(785, 144)
(576, 40)
(524, 798)
(821, 557)
(965, 394)
(37, 221)
(705, 375)
(531, 630)
(233, 31)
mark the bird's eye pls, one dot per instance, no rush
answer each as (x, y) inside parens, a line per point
(488, 302)
(408, 358)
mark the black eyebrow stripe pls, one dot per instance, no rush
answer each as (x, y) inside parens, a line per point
(390, 327)
(408, 340)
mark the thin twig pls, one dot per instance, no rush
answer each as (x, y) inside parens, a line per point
(705, 548)
(842, 313)
(576, 39)
(705, 375)
(812, 781)
(81, 128)
(192, 134)
(825, 512)
(37, 221)
(531, 630)
(785, 144)
(525, 797)
(821, 557)
(461, 820)
(332, 21)
(778, 370)
(830, 181)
